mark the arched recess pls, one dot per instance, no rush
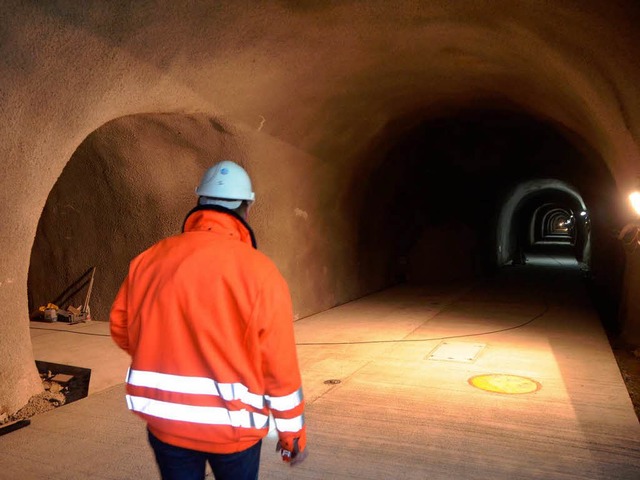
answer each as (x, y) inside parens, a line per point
(132, 181)
(128, 184)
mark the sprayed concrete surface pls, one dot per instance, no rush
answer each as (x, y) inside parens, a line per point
(395, 412)
(317, 99)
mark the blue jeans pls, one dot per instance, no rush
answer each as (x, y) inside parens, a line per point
(177, 463)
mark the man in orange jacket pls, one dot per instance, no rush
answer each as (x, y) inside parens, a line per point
(208, 322)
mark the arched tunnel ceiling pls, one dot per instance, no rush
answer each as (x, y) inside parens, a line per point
(327, 76)
(372, 64)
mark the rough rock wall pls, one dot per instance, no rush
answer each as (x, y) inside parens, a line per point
(131, 182)
(127, 185)
(323, 78)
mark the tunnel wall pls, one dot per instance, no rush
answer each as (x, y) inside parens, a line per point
(629, 330)
(315, 81)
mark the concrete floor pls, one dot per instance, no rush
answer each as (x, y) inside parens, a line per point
(397, 413)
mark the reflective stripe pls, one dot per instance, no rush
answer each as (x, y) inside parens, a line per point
(197, 385)
(196, 414)
(286, 402)
(290, 424)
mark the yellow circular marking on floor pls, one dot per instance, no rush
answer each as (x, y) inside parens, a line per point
(509, 384)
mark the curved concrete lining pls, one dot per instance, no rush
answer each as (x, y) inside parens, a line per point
(306, 89)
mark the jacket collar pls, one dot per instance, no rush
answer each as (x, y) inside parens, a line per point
(219, 219)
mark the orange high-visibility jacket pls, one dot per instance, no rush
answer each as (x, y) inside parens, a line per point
(208, 322)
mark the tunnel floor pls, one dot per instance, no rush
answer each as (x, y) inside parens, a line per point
(386, 381)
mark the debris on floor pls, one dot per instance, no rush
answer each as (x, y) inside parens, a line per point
(51, 312)
(628, 358)
(54, 395)
(61, 384)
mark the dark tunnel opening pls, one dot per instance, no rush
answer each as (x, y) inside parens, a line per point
(440, 185)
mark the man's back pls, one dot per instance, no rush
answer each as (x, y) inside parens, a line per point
(194, 294)
(207, 316)
(208, 322)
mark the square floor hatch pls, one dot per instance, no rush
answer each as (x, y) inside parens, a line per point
(457, 351)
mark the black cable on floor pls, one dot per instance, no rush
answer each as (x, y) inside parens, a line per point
(364, 342)
(70, 331)
(448, 337)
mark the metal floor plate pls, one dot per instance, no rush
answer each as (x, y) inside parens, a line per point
(457, 352)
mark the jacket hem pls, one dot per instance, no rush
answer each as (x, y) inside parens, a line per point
(201, 445)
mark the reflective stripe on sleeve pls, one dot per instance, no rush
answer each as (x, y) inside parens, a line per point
(286, 402)
(290, 424)
(197, 414)
(196, 385)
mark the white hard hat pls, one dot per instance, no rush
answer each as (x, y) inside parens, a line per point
(226, 184)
